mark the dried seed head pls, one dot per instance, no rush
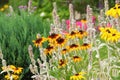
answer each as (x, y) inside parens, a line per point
(4, 62)
(71, 11)
(106, 5)
(29, 5)
(11, 9)
(1, 55)
(31, 68)
(30, 51)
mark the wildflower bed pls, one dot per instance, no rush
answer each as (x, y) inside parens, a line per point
(80, 52)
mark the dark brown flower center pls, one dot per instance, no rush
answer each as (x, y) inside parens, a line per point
(49, 48)
(76, 74)
(72, 33)
(108, 31)
(64, 50)
(118, 7)
(114, 8)
(53, 35)
(76, 57)
(73, 45)
(85, 44)
(61, 62)
(60, 40)
(81, 32)
(38, 40)
(113, 34)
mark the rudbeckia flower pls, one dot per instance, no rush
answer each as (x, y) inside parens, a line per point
(78, 76)
(114, 37)
(18, 70)
(85, 46)
(15, 77)
(105, 32)
(110, 34)
(62, 63)
(6, 6)
(53, 37)
(71, 35)
(39, 41)
(8, 68)
(2, 9)
(73, 47)
(64, 51)
(76, 59)
(49, 50)
(60, 42)
(114, 12)
(81, 34)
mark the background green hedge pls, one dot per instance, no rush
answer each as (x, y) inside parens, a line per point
(16, 33)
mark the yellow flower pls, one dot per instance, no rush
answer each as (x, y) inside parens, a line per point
(114, 12)
(53, 37)
(49, 50)
(110, 34)
(64, 51)
(6, 69)
(83, 21)
(2, 9)
(81, 34)
(72, 35)
(15, 77)
(114, 37)
(78, 76)
(6, 6)
(105, 32)
(62, 63)
(85, 46)
(76, 59)
(73, 47)
(12, 67)
(39, 41)
(15, 72)
(18, 70)
(60, 42)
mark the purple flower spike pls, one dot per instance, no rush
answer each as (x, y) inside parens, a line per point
(21, 7)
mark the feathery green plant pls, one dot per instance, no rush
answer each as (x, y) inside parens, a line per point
(16, 33)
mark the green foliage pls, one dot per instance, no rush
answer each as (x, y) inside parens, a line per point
(16, 33)
(47, 7)
(16, 3)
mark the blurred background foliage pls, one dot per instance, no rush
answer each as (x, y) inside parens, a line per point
(16, 34)
(44, 7)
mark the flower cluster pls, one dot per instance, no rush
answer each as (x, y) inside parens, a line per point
(12, 72)
(58, 41)
(114, 11)
(4, 8)
(63, 48)
(110, 34)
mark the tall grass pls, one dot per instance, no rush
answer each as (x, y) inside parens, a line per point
(16, 33)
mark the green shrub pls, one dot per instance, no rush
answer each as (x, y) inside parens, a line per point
(16, 3)
(16, 33)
